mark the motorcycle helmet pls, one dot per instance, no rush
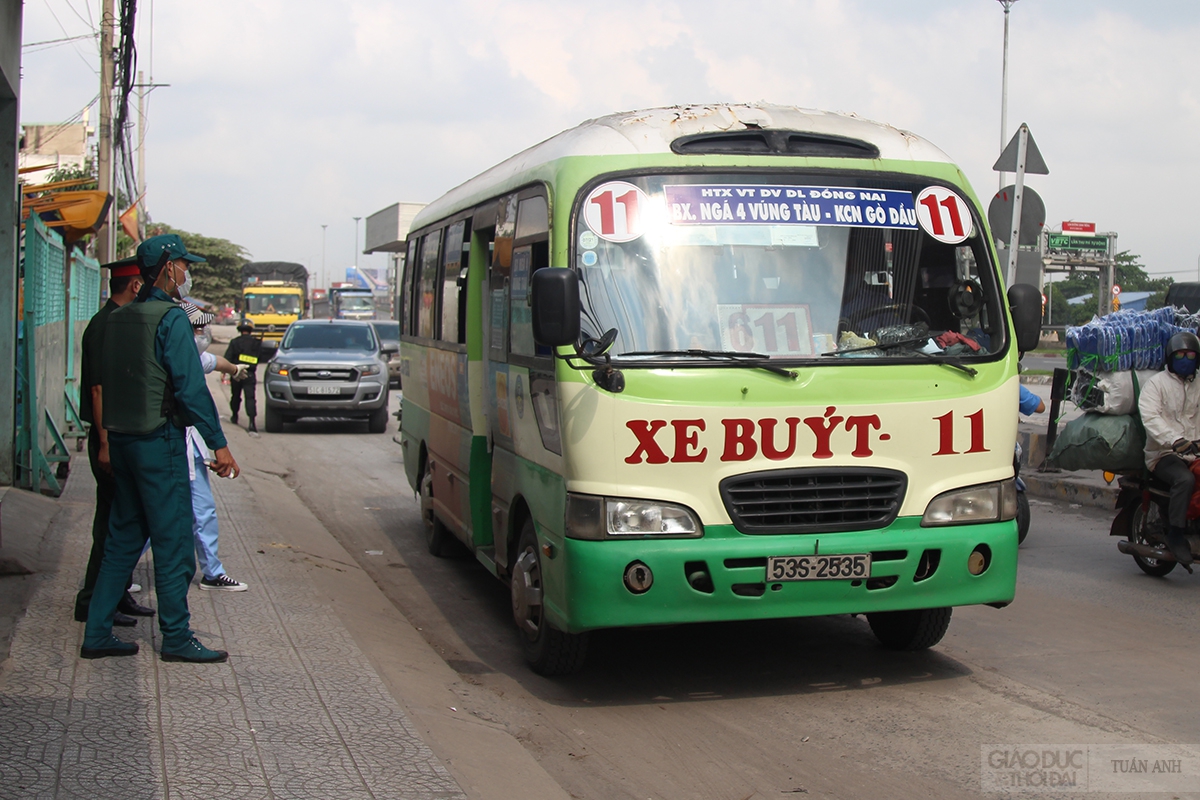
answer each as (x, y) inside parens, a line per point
(1177, 361)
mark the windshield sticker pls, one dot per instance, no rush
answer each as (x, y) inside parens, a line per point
(773, 330)
(588, 240)
(701, 204)
(944, 215)
(614, 211)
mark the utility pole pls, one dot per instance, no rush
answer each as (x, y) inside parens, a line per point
(1004, 85)
(106, 238)
(323, 227)
(143, 89)
(356, 219)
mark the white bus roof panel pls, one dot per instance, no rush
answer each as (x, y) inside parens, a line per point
(651, 131)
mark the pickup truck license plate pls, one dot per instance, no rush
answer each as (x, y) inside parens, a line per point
(324, 390)
(819, 568)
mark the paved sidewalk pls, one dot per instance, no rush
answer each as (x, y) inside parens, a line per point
(297, 712)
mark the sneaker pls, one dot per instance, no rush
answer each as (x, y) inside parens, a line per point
(134, 588)
(194, 653)
(112, 647)
(223, 583)
(1177, 543)
(252, 428)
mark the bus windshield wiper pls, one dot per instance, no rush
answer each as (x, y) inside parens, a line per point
(761, 360)
(949, 361)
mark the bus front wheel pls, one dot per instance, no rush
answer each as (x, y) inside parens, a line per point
(548, 650)
(918, 629)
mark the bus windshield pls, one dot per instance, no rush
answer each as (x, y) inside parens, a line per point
(789, 267)
(270, 303)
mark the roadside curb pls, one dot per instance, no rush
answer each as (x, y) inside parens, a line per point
(1085, 488)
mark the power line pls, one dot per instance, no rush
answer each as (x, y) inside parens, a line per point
(60, 41)
(73, 46)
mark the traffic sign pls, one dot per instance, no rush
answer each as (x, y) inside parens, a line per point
(1116, 290)
(1033, 215)
(1077, 244)
(1034, 163)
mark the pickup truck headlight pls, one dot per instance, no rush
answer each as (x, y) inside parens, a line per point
(592, 517)
(276, 368)
(368, 369)
(988, 502)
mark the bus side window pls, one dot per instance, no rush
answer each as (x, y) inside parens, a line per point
(454, 284)
(408, 287)
(427, 320)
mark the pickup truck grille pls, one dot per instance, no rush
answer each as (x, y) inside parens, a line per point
(821, 500)
(344, 374)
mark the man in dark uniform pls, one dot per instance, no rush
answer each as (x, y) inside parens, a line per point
(153, 386)
(123, 285)
(247, 350)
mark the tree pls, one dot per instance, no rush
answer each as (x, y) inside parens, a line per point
(1130, 275)
(218, 279)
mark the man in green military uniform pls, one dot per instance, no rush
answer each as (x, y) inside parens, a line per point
(153, 387)
(124, 283)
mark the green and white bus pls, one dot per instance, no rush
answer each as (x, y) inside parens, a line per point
(720, 362)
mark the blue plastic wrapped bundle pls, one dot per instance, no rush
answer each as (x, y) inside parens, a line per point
(1122, 340)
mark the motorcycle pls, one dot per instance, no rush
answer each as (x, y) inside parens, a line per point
(1022, 501)
(1142, 519)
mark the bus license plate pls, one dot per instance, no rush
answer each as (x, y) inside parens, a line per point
(819, 568)
(324, 390)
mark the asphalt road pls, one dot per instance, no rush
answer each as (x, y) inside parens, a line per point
(1092, 651)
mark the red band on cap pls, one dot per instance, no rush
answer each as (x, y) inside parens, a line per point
(129, 271)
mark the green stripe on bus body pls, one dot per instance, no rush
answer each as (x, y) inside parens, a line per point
(600, 599)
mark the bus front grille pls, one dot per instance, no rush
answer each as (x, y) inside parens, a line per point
(816, 500)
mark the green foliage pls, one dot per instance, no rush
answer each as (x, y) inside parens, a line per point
(1130, 275)
(219, 279)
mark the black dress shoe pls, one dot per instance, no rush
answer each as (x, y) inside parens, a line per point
(131, 607)
(123, 620)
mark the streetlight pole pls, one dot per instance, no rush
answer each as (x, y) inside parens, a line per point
(356, 219)
(1008, 4)
(323, 227)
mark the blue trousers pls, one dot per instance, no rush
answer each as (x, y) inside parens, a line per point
(204, 522)
(153, 499)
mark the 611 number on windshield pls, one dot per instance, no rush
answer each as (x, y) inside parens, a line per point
(767, 329)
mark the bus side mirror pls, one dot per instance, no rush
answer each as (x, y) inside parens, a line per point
(555, 300)
(1026, 303)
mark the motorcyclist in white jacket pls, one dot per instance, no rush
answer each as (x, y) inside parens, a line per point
(1170, 410)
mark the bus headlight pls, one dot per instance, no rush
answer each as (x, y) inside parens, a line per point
(592, 517)
(989, 502)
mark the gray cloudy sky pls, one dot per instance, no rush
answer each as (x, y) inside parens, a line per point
(282, 115)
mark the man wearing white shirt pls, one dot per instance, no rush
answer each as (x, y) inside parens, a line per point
(204, 509)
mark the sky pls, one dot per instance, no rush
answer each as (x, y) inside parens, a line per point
(282, 116)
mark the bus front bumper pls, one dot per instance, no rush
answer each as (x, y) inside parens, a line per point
(738, 588)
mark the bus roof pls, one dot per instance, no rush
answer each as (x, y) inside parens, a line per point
(651, 131)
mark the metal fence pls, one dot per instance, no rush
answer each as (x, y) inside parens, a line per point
(59, 298)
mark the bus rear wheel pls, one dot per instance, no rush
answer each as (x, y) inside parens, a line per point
(548, 650)
(918, 629)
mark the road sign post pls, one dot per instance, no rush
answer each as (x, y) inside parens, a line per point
(1021, 156)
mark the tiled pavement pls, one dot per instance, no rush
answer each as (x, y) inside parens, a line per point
(297, 712)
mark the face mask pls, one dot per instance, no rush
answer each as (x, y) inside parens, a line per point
(185, 288)
(203, 340)
(1185, 367)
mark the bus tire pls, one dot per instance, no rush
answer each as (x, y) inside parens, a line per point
(438, 540)
(548, 650)
(274, 420)
(1023, 517)
(918, 629)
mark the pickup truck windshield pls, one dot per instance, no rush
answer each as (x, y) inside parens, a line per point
(329, 337)
(786, 266)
